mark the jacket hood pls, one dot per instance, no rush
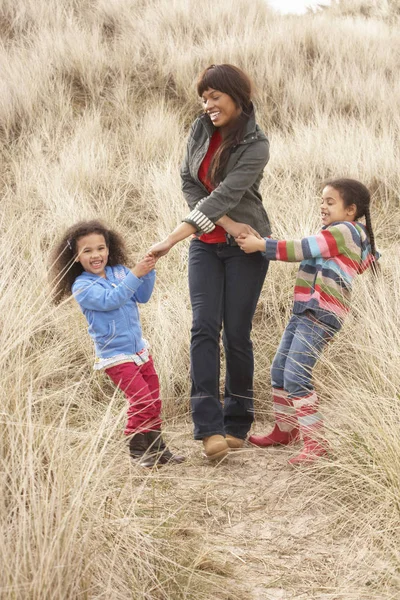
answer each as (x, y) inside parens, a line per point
(367, 257)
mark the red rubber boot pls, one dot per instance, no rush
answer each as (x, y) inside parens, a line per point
(286, 430)
(311, 428)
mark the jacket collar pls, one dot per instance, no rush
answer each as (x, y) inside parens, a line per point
(94, 277)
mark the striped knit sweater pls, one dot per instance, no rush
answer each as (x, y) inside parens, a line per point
(329, 262)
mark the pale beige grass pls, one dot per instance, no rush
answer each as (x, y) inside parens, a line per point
(96, 102)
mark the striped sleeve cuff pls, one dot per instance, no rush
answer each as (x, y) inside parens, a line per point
(271, 248)
(200, 221)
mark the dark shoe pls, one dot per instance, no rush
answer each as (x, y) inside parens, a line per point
(140, 452)
(138, 445)
(149, 461)
(158, 447)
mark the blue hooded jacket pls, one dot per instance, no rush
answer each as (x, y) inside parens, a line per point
(110, 307)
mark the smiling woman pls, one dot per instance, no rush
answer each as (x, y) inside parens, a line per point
(221, 174)
(220, 107)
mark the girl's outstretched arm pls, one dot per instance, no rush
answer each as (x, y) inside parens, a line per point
(338, 239)
(141, 269)
(92, 296)
(185, 229)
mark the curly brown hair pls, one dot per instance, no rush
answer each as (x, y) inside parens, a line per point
(64, 269)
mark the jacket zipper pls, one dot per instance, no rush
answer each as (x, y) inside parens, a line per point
(207, 144)
(128, 322)
(127, 318)
(253, 135)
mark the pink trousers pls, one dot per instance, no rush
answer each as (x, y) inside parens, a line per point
(142, 389)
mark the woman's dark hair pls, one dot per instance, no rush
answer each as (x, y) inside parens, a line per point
(354, 192)
(64, 270)
(232, 81)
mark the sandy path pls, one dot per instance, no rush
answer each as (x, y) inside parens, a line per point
(263, 528)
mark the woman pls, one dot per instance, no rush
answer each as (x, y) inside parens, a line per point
(225, 158)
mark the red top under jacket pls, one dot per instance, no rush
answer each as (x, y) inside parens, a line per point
(217, 235)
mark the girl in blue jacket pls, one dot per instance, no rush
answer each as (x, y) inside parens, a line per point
(88, 262)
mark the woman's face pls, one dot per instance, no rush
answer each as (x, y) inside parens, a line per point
(220, 107)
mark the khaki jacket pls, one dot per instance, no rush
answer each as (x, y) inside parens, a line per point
(237, 196)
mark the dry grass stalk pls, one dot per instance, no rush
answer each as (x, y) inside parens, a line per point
(96, 102)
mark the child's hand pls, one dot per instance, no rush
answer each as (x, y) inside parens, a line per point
(235, 229)
(144, 266)
(250, 243)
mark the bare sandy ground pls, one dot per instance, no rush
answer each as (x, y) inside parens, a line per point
(264, 527)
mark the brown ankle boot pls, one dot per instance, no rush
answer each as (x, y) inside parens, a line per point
(215, 447)
(233, 442)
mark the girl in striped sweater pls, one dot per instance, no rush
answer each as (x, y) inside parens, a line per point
(329, 263)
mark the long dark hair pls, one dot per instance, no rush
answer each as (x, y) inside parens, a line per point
(64, 270)
(232, 81)
(355, 192)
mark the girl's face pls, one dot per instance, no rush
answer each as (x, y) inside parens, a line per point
(333, 208)
(92, 253)
(220, 107)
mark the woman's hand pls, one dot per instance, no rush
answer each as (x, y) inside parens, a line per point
(250, 243)
(181, 232)
(144, 266)
(235, 229)
(161, 248)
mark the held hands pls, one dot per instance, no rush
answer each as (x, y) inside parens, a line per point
(236, 229)
(250, 243)
(181, 232)
(248, 238)
(145, 265)
(160, 249)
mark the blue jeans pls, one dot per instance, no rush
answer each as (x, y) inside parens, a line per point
(224, 284)
(299, 349)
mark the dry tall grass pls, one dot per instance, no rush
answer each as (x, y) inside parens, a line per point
(95, 106)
